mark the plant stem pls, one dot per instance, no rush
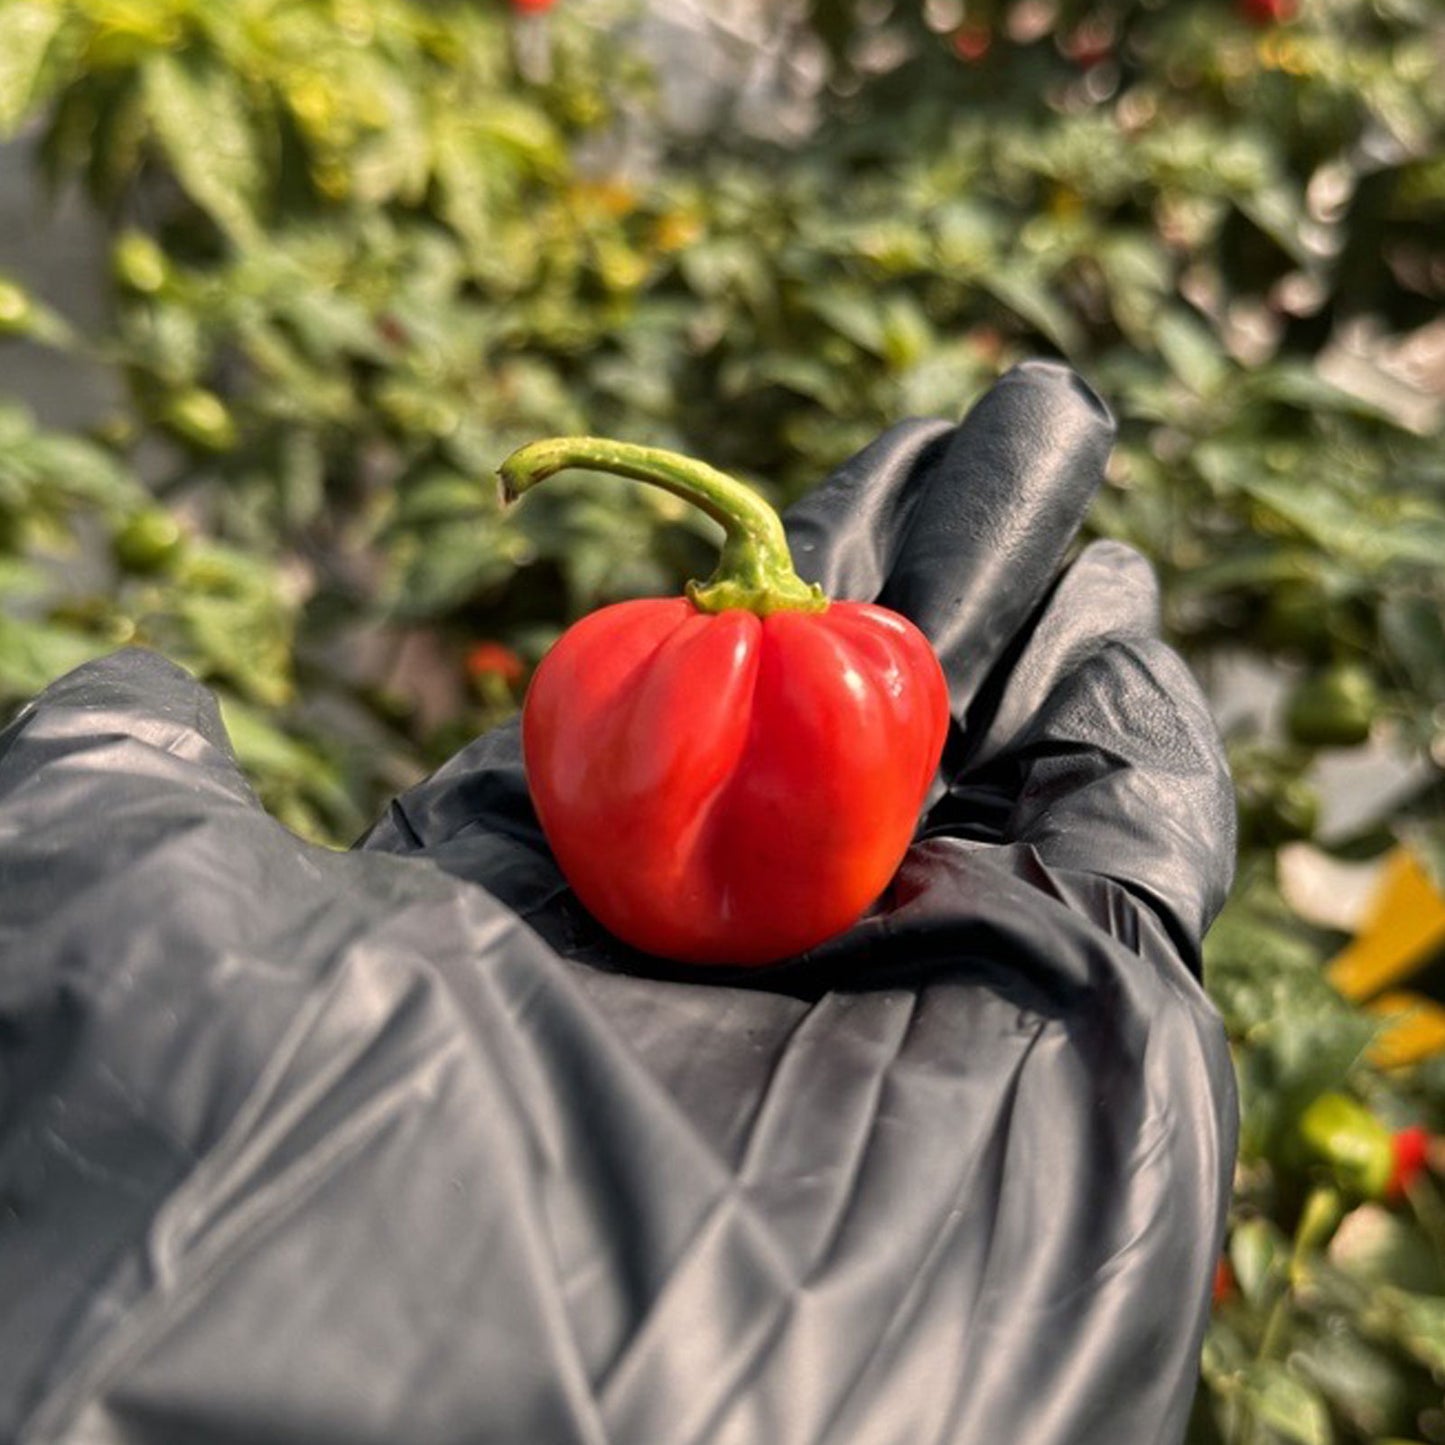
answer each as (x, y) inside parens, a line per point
(755, 568)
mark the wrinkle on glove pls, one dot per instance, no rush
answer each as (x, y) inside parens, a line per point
(398, 1145)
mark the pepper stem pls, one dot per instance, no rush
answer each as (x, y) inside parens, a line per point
(755, 568)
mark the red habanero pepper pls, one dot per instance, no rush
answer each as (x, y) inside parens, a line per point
(732, 776)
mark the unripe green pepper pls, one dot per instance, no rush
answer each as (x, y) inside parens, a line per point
(148, 542)
(201, 418)
(139, 264)
(1364, 1154)
(1333, 709)
(17, 311)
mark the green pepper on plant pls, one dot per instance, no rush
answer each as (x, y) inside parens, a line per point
(1365, 1155)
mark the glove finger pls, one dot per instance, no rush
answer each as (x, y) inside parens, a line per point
(481, 787)
(962, 531)
(844, 535)
(1100, 752)
(473, 818)
(131, 723)
(1109, 592)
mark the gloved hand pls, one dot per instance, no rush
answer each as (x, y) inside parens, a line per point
(397, 1145)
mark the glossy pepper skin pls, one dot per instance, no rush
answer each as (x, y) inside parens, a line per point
(735, 783)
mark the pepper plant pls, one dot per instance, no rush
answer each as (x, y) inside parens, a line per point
(355, 257)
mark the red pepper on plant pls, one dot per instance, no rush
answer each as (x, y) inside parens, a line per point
(1089, 43)
(1268, 12)
(1410, 1150)
(495, 659)
(1225, 1286)
(971, 43)
(732, 776)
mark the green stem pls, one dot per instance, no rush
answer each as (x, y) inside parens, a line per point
(755, 568)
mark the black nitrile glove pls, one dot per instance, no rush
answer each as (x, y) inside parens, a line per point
(398, 1146)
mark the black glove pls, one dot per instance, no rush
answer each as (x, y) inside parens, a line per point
(398, 1146)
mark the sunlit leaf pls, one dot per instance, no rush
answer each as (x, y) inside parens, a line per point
(1286, 1404)
(202, 117)
(34, 654)
(27, 28)
(1418, 1322)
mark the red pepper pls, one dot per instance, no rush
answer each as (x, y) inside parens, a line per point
(1268, 12)
(733, 776)
(1225, 1286)
(495, 659)
(1410, 1151)
(1089, 44)
(971, 42)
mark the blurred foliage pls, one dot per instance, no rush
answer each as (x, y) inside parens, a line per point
(356, 257)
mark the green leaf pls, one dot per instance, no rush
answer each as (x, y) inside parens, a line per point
(1139, 274)
(1427, 841)
(85, 472)
(295, 781)
(331, 325)
(522, 129)
(855, 315)
(203, 120)
(21, 578)
(1362, 1381)
(1412, 626)
(1029, 298)
(444, 565)
(727, 267)
(1417, 1322)
(1191, 350)
(907, 336)
(969, 238)
(46, 474)
(1259, 1255)
(1276, 211)
(395, 159)
(943, 381)
(1349, 531)
(34, 654)
(296, 388)
(233, 621)
(1303, 388)
(438, 494)
(301, 476)
(802, 374)
(26, 31)
(1281, 1400)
